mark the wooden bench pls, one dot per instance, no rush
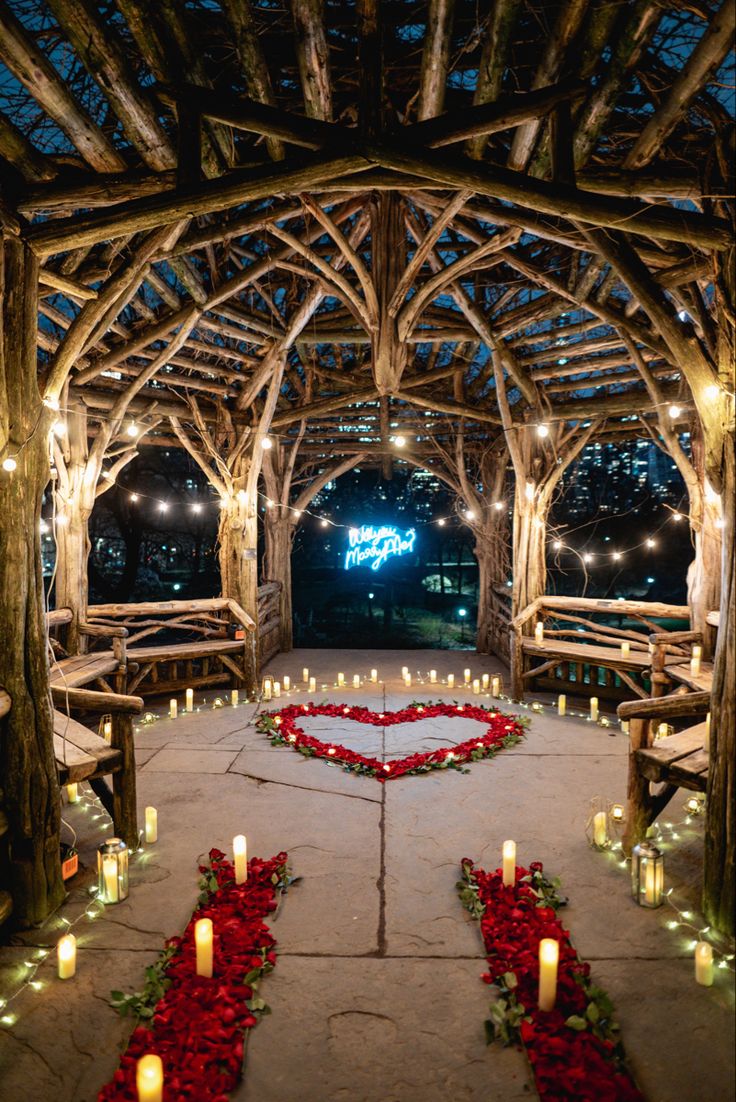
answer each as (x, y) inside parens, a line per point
(83, 755)
(217, 648)
(582, 656)
(677, 761)
(269, 621)
(671, 657)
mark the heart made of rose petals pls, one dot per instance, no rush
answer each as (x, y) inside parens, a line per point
(501, 730)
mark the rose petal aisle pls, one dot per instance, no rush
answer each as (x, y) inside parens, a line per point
(573, 1049)
(501, 731)
(196, 1024)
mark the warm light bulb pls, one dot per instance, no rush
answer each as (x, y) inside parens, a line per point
(557, 545)
(324, 522)
(59, 428)
(399, 441)
(542, 430)
(133, 497)
(677, 516)
(162, 506)
(651, 543)
(242, 496)
(469, 514)
(616, 556)
(9, 464)
(133, 429)
(196, 508)
(587, 557)
(674, 412)
(267, 443)
(498, 505)
(441, 522)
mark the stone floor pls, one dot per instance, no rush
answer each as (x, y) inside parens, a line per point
(377, 994)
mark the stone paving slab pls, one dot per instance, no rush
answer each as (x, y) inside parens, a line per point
(348, 1033)
(281, 765)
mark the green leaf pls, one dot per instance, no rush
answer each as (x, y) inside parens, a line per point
(509, 978)
(576, 1022)
(592, 1013)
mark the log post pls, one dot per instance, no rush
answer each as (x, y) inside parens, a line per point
(238, 557)
(278, 530)
(637, 812)
(125, 812)
(74, 498)
(27, 765)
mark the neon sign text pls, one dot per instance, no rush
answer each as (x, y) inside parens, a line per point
(371, 546)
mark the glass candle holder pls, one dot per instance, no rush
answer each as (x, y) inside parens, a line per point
(112, 871)
(647, 875)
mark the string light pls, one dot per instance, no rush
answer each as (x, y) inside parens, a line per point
(163, 506)
(267, 443)
(469, 514)
(9, 464)
(400, 441)
(58, 428)
(132, 429)
(196, 508)
(650, 542)
(133, 498)
(674, 412)
(542, 431)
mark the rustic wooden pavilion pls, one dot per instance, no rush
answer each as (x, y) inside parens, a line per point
(500, 231)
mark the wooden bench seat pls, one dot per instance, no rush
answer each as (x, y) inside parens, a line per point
(697, 683)
(80, 753)
(678, 759)
(83, 669)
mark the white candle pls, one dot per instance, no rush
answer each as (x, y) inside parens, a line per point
(486, 679)
(625, 650)
(189, 696)
(356, 680)
(617, 812)
(66, 954)
(313, 684)
(287, 683)
(203, 942)
(653, 877)
(509, 863)
(549, 955)
(496, 686)
(600, 831)
(267, 689)
(663, 730)
(173, 709)
(561, 704)
(476, 686)
(276, 689)
(433, 677)
(451, 681)
(625, 726)
(706, 739)
(305, 674)
(704, 963)
(240, 854)
(374, 676)
(107, 730)
(594, 707)
(234, 697)
(72, 793)
(341, 679)
(404, 671)
(466, 675)
(407, 680)
(149, 1078)
(110, 877)
(696, 660)
(151, 825)
(539, 633)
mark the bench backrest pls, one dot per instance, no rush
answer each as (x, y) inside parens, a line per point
(598, 621)
(180, 620)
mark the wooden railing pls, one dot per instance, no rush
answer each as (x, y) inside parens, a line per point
(269, 621)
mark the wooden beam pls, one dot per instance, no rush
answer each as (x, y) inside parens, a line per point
(491, 118)
(65, 285)
(493, 62)
(230, 190)
(435, 58)
(33, 69)
(252, 61)
(22, 154)
(313, 57)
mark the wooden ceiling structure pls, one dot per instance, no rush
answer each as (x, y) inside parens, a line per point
(336, 222)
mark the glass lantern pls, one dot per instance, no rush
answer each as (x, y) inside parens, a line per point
(647, 875)
(112, 871)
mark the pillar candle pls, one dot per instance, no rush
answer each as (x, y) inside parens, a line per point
(305, 674)
(149, 1078)
(600, 831)
(476, 686)
(234, 697)
(704, 963)
(486, 679)
(407, 680)
(617, 812)
(203, 942)
(404, 671)
(374, 676)
(267, 689)
(625, 650)
(433, 677)
(549, 955)
(652, 883)
(594, 707)
(539, 633)
(561, 704)
(72, 793)
(496, 686)
(451, 681)
(341, 679)
(625, 726)
(190, 699)
(107, 730)
(240, 854)
(509, 863)
(706, 739)
(66, 954)
(287, 683)
(663, 730)
(110, 877)
(356, 680)
(466, 675)
(696, 660)
(151, 825)
(313, 684)
(276, 689)
(173, 709)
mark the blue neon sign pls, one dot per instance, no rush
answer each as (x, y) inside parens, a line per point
(369, 546)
